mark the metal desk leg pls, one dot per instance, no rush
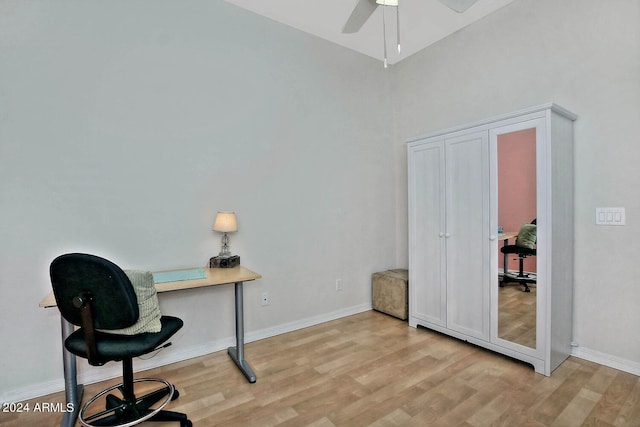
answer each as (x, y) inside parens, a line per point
(237, 353)
(73, 391)
(505, 258)
(505, 264)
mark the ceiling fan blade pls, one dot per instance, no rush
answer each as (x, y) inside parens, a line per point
(458, 5)
(363, 10)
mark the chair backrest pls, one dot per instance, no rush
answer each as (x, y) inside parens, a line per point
(75, 276)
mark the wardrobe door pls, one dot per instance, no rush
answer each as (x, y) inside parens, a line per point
(426, 234)
(518, 154)
(468, 255)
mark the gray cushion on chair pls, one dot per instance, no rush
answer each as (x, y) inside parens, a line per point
(149, 319)
(527, 236)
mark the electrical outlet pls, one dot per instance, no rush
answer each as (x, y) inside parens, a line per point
(338, 284)
(265, 298)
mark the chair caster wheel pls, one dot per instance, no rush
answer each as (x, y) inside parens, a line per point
(176, 394)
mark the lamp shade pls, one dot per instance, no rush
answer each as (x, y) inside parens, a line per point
(225, 222)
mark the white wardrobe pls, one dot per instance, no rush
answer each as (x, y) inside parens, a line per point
(454, 242)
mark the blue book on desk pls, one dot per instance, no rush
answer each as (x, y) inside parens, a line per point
(178, 275)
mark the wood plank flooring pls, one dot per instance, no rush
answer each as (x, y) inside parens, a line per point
(371, 369)
(517, 314)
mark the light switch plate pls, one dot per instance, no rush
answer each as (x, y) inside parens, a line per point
(610, 216)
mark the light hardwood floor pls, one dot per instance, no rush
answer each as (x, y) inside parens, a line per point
(517, 314)
(371, 369)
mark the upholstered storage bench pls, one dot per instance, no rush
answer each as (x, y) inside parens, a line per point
(390, 292)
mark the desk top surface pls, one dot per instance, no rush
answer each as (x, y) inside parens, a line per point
(213, 277)
(507, 235)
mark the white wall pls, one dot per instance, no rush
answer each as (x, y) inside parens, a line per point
(124, 127)
(585, 56)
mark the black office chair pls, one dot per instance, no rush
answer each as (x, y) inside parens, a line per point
(523, 247)
(95, 294)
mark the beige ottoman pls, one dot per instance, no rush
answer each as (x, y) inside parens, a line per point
(390, 292)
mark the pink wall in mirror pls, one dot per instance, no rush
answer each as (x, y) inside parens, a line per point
(517, 186)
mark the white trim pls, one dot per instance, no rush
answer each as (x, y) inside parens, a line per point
(34, 390)
(489, 121)
(607, 360)
(305, 323)
(177, 355)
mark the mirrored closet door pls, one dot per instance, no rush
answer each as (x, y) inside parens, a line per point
(515, 194)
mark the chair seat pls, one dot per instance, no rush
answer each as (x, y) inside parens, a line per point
(118, 347)
(515, 249)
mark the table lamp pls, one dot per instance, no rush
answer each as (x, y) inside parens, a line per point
(225, 223)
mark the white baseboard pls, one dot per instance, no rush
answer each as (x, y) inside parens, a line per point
(305, 323)
(177, 355)
(32, 391)
(607, 360)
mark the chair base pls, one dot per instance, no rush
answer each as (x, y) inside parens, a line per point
(523, 279)
(123, 412)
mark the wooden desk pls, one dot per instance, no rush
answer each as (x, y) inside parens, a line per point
(214, 277)
(507, 235)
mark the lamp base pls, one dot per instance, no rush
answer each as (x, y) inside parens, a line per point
(224, 261)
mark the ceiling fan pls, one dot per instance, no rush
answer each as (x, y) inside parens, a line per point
(365, 8)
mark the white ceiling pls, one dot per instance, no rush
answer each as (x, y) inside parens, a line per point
(422, 22)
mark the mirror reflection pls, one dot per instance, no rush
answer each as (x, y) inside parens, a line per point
(517, 234)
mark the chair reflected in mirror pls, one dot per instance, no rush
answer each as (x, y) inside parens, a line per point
(525, 246)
